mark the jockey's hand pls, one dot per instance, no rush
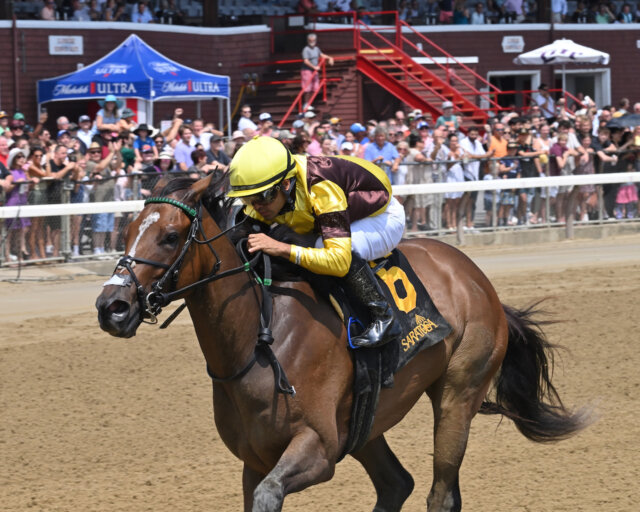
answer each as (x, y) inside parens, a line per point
(266, 244)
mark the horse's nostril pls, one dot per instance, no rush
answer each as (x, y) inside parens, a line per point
(117, 307)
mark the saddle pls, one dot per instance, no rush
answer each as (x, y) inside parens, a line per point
(422, 324)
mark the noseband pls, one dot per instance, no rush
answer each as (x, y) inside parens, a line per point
(163, 290)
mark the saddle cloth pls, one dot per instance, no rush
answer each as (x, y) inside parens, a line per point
(422, 326)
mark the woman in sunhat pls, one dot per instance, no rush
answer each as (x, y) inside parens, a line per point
(108, 117)
(17, 194)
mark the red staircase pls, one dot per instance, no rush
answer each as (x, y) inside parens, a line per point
(384, 61)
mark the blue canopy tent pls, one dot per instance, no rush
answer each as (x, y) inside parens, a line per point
(135, 70)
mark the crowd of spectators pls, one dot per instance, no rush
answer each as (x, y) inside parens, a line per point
(112, 158)
(109, 158)
(144, 11)
(416, 12)
(548, 138)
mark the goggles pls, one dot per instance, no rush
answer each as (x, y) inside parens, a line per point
(262, 198)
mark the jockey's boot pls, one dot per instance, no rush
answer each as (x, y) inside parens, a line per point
(362, 285)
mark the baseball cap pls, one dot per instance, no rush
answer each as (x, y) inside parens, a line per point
(61, 133)
(415, 114)
(347, 145)
(335, 120)
(265, 116)
(3, 114)
(523, 131)
(309, 114)
(146, 148)
(422, 124)
(357, 128)
(285, 135)
(298, 123)
(447, 104)
(215, 138)
(18, 116)
(83, 119)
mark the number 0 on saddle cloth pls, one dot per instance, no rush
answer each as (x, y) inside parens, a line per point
(422, 324)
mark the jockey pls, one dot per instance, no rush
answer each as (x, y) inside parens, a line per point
(345, 199)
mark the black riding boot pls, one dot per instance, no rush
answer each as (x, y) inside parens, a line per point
(362, 285)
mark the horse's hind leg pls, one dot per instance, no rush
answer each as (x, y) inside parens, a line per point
(304, 462)
(455, 397)
(392, 482)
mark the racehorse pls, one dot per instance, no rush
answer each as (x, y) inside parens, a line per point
(181, 241)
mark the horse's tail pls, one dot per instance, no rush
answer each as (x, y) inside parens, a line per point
(523, 388)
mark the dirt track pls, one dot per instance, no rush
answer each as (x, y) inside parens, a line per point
(91, 423)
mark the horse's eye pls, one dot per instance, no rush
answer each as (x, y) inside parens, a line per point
(171, 239)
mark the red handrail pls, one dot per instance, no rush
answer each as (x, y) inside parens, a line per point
(448, 55)
(396, 64)
(448, 71)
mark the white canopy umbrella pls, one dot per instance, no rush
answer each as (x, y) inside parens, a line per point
(562, 51)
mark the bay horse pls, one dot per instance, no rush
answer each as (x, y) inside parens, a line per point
(288, 443)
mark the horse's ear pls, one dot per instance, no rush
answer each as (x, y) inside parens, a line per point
(199, 187)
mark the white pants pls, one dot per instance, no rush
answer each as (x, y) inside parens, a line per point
(374, 237)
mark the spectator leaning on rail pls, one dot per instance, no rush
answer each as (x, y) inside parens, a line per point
(381, 152)
(103, 189)
(348, 200)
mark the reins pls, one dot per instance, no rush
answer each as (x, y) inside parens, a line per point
(151, 304)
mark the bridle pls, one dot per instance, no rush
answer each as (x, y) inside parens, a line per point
(151, 303)
(163, 291)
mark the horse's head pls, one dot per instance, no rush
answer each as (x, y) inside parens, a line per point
(159, 257)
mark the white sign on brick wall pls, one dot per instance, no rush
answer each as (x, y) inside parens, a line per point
(66, 45)
(512, 44)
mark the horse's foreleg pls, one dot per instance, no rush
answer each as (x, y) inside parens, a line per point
(250, 480)
(303, 463)
(393, 483)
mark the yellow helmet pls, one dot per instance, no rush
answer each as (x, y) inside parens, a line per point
(258, 165)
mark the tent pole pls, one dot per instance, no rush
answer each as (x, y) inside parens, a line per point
(564, 86)
(220, 116)
(149, 110)
(229, 130)
(198, 111)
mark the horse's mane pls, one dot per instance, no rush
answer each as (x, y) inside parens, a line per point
(213, 199)
(221, 210)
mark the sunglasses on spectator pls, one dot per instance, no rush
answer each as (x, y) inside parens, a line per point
(262, 198)
(95, 151)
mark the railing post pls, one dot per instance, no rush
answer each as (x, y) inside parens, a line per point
(354, 17)
(3, 230)
(398, 31)
(324, 81)
(547, 206)
(65, 225)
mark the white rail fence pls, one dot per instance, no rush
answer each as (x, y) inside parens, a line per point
(65, 210)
